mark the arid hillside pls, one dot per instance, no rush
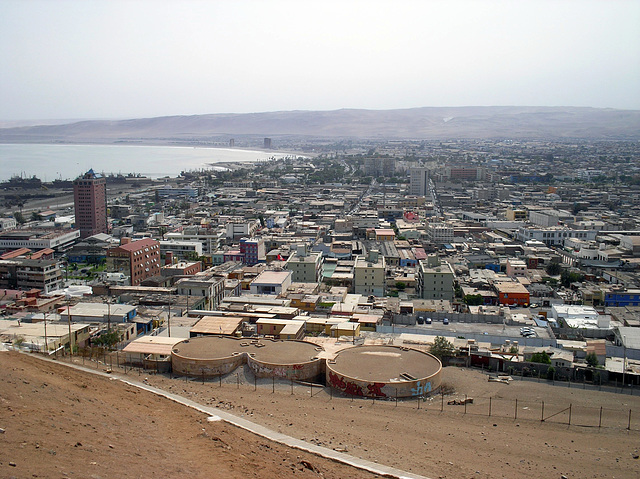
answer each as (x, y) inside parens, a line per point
(415, 123)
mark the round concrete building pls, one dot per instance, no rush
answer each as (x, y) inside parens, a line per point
(218, 355)
(384, 371)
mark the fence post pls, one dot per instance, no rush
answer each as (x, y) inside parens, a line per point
(418, 398)
(237, 381)
(542, 416)
(570, 414)
(515, 414)
(117, 359)
(255, 383)
(273, 384)
(629, 424)
(292, 389)
(489, 406)
(600, 419)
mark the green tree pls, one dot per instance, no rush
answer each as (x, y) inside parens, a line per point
(19, 217)
(541, 358)
(473, 299)
(441, 347)
(592, 360)
(36, 216)
(553, 268)
(513, 349)
(401, 285)
(566, 278)
(108, 339)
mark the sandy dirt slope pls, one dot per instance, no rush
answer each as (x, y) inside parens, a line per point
(426, 441)
(59, 422)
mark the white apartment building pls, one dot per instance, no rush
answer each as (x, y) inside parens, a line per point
(439, 233)
(553, 236)
(368, 274)
(435, 282)
(419, 182)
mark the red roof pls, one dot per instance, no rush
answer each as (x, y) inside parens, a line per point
(138, 245)
(15, 253)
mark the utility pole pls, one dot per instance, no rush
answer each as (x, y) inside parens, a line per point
(624, 359)
(169, 317)
(46, 341)
(69, 320)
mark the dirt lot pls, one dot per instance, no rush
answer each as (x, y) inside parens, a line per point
(414, 436)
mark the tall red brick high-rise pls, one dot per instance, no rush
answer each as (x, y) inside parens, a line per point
(90, 198)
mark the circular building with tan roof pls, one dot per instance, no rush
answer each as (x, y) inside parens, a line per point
(209, 356)
(384, 372)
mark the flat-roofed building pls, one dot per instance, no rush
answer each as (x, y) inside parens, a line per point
(435, 282)
(281, 328)
(217, 326)
(210, 290)
(271, 282)
(512, 293)
(57, 239)
(90, 200)
(305, 266)
(138, 259)
(368, 274)
(21, 273)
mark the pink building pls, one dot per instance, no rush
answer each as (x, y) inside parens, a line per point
(90, 199)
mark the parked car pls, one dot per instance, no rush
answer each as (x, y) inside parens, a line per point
(428, 321)
(445, 321)
(420, 320)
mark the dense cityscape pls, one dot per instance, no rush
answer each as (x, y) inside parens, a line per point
(382, 261)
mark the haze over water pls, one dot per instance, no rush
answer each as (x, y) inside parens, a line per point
(50, 162)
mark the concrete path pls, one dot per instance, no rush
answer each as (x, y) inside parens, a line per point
(219, 414)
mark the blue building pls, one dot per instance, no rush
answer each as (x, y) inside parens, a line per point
(617, 299)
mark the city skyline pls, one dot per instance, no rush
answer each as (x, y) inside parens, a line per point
(74, 60)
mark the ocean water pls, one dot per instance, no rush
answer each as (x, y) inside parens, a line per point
(50, 162)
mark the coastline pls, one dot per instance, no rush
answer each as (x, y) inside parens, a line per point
(66, 161)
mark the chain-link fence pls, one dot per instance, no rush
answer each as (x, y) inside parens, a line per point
(439, 403)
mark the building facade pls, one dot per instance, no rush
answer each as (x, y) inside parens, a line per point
(90, 201)
(435, 282)
(368, 274)
(419, 182)
(138, 259)
(22, 273)
(305, 266)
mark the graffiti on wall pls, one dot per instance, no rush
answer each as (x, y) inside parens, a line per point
(420, 390)
(352, 389)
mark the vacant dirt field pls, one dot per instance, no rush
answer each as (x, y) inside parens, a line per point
(415, 436)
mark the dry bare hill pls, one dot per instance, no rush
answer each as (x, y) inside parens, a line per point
(418, 123)
(59, 420)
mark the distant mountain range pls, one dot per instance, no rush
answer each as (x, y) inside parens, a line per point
(553, 123)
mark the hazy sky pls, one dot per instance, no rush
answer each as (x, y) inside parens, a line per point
(131, 59)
